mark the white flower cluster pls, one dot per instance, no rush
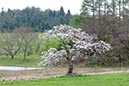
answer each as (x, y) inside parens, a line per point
(83, 45)
(52, 56)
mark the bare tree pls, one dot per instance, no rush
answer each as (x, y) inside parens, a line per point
(10, 43)
(28, 38)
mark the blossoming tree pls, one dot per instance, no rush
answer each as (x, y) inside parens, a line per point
(77, 44)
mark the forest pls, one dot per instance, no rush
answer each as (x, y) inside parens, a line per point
(33, 17)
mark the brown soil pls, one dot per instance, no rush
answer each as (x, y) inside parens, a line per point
(53, 72)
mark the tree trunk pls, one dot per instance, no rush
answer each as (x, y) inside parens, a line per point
(25, 53)
(12, 56)
(70, 70)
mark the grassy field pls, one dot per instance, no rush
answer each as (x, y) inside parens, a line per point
(33, 54)
(32, 60)
(119, 79)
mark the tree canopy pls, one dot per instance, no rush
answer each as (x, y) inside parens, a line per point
(108, 19)
(33, 17)
(77, 44)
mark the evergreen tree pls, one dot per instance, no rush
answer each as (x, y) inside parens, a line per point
(33, 17)
(68, 13)
(62, 13)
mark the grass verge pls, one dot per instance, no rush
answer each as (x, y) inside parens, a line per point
(118, 79)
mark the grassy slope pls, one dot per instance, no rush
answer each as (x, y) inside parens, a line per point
(119, 79)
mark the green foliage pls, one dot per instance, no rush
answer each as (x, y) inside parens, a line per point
(62, 13)
(51, 43)
(77, 20)
(33, 17)
(119, 79)
(34, 50)
(30, 51)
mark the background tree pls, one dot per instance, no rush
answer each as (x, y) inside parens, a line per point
(33, 17)
(110, 21)
(28, 38)
(62, 13)
(10, 43)
(77, 21)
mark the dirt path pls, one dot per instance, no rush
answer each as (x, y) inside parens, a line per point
(53, 72)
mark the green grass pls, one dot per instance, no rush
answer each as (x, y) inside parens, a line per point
(119, 79)
(31, 60)
(34, 57)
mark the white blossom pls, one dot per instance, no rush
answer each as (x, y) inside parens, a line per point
(83, 45)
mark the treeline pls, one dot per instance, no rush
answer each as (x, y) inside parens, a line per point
(33, 17)
(109, 20)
